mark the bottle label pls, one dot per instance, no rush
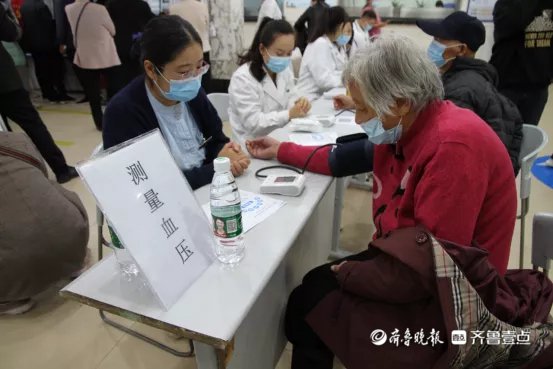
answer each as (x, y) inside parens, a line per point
(114, 239)
(227, 221)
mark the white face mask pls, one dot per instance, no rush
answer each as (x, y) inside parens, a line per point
(379, 135)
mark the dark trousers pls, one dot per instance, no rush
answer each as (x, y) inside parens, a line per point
(309, 351)
(50, 73)
(90, 80)
(17, 106)
(530, 102)
(206, 78)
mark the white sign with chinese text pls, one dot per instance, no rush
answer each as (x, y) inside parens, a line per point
(154, 212)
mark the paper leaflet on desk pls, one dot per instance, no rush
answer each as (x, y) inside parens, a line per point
(255, 208)
(154, 212)
(313, 139)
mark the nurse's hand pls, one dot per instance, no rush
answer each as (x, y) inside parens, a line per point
(343, 102)
(300, 109)
(233, 151)
(303, 104)
(265, 148)
(238, 167)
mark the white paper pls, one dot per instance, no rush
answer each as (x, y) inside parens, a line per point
(314, 139)
(334, 92)
(255, 209)
(346, 119)
(154, 212)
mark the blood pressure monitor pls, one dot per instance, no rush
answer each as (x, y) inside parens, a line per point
(288, 185)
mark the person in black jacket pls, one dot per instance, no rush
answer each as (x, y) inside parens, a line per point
(523, 53)
(472, 83)
(305, 24)
(130, 18)
(170, 98)
(16, 105)
(39, 38)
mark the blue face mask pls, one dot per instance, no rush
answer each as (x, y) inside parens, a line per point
(368, 27)
(277, 64)
(380, 136)
(342, 40)
(181, 90)
(436, 53)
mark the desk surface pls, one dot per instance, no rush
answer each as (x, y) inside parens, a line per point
(214, 306)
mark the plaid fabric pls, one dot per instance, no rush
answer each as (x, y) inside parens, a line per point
(491, 343)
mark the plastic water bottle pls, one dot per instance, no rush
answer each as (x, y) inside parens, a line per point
(127, 266)
(226, 214)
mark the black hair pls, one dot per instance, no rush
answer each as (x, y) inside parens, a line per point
(268, 31)
(369, 14)
(439, 4)
(165, 37)
(328, 22)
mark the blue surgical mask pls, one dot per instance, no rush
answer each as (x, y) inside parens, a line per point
(342, 40)
(181, 90)
(436, 53)
(368, 27)
(278, 64)
(380, 136)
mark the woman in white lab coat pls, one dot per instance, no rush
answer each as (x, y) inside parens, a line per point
(269, 9)
(262, 93)
(325, 56)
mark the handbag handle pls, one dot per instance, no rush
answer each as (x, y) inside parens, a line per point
(20, 155)
(78, 22)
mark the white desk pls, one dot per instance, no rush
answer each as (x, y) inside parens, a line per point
(235, 317)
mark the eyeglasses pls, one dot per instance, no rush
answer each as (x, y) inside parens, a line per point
(197, 72)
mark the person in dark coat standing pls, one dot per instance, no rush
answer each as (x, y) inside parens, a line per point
(305, 24)
(16, 105)
(130, 18)
(39, 38)
(523, 53)
(472, 83)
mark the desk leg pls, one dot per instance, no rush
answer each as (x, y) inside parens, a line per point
(208, 357)
(336, 252)
(260, 340)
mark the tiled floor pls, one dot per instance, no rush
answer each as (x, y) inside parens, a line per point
(60, 334)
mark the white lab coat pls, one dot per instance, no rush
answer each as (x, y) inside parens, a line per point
(321, 68)
(258, 108)
(360, 39)
(270, 9)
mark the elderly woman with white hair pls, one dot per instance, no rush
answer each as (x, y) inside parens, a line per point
(435, 165)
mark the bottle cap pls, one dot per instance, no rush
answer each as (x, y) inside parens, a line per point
(221, 164)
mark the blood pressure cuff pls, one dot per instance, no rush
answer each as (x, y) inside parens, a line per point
(352, 155)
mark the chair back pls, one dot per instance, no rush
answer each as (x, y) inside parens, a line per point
(533, 142)
(221, 103)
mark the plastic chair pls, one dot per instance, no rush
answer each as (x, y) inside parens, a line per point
(3, 127)
(103, 242)
(221, 103)
(542, 241)
(533, 142)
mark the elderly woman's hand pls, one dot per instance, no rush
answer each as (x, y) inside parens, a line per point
(343, 102)
(263, 148)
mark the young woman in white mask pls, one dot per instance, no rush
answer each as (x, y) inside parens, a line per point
(170, 98)
(262, 92)
(325, 57)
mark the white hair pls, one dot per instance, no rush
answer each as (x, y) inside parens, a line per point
(391, 68)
